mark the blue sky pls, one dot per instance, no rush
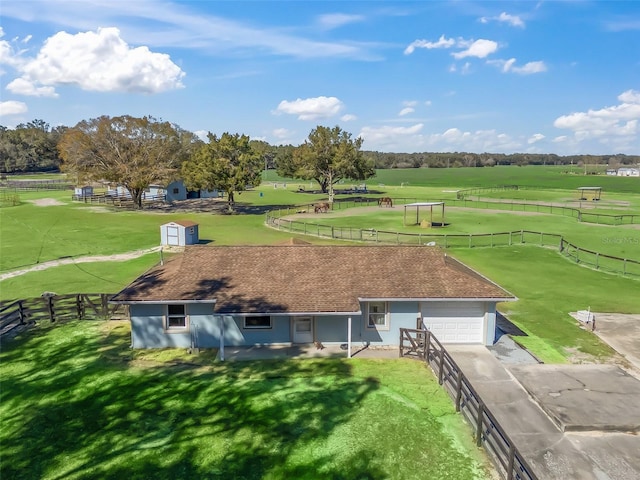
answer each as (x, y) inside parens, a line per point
(540, 77)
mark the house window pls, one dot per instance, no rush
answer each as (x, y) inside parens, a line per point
(176, 191)
(258, 321)
(378, 315)
(177, 317)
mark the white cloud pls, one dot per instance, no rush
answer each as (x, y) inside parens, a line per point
(442, 42)
(100, 61)
(513, 20)
(529, 68)
(175, 24)
(335, 20)
(617, 126)
(480, 48)
(202, 135)
(536, 137)
(281, 133)
(12, 107)
(427, 103)
(22, 86)
(311, 108)
(413, 139)
(410, 103)
(466, 68)
(387, 135)
(348, 117)
(406, 111)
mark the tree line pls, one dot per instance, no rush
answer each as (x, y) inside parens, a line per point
(139, 152)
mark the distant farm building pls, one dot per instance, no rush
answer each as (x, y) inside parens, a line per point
(179, 234)
(174, 191)
(629, 172)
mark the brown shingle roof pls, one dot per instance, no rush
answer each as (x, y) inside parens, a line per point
(272, 279)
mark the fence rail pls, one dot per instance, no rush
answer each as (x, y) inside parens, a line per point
(488, 433)
(80, 306)
(27, 185)
(599, 261)
(117, 200)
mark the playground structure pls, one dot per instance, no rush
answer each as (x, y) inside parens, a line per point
(424, 222)
(589, 193)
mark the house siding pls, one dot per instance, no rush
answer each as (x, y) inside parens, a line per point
(147, 327)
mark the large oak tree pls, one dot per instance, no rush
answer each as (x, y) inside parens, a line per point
(129, 151)
(327, 156)
(228, 163)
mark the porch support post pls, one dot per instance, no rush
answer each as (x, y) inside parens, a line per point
(349, 337)
(222, 338)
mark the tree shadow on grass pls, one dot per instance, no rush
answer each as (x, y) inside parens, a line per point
(74, 406)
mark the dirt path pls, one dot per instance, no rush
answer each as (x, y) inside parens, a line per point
(119, 257)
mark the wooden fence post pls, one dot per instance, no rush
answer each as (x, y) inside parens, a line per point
(428, 347)
(441, 368)
(479, 423)
(50, 308)
(512, 454)
(105, 305)
(79, 307)
(21, 312)
(458, 391)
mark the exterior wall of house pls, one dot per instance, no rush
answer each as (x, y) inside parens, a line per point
(148, 326)
(176, 191)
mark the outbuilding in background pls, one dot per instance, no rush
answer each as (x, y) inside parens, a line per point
(179, 234)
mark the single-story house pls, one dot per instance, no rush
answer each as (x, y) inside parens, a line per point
(289, 294)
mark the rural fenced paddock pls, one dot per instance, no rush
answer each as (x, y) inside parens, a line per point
(77, 306)
(599, 261)
(422, 345)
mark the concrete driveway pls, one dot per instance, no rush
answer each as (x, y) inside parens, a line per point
(569, 422)
(622, 332)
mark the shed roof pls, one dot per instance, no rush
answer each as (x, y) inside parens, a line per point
(182, 223)
(299, 279)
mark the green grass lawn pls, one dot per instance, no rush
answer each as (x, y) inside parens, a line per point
(77, 403)
(548, 177)
(622, 241)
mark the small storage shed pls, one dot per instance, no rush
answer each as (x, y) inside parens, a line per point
(179, 234)
(86, 191)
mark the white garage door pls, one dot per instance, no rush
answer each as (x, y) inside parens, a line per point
(455, 322)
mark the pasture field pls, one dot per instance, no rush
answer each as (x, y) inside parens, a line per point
(32, 234)
(533, 176)
(78, 403)
(623, 240)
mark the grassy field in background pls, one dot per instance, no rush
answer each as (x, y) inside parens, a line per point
(544, 177)
(78, 403)
(601, 238)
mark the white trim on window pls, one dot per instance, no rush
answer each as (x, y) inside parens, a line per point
(176, 318)
(257, 322)
(377, 316)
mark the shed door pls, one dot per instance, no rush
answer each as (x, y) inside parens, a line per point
(173, 236)
(455, 322)
(302, 330)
